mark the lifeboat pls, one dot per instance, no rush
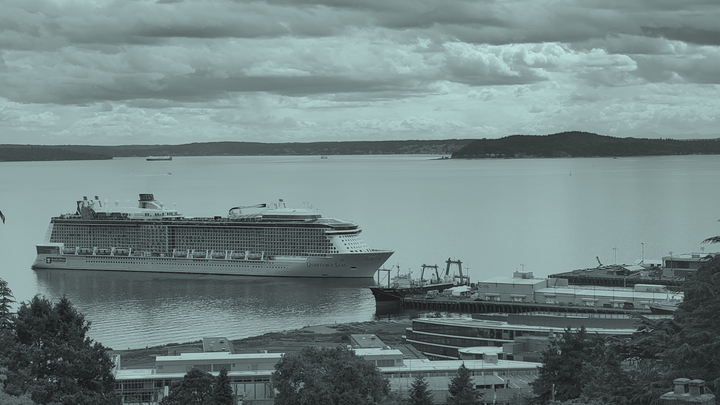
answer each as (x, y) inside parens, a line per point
(103, 252)
(218, 255)
(84, 251)
(238, 255)
(69, 251)
(199, 254)
(180, 253)
(254, 256)
(121, 252)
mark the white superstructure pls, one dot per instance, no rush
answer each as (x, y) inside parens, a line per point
(258, 240)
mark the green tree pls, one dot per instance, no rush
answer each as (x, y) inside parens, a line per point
(49, 357)
(6, 301)
(695, 350)
(328, 376)
(196, 388)
(419, 393)
(461, 390)
(562, 363)
(222, 391)
(7, 399)
(602, 377)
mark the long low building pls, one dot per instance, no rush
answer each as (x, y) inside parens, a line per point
(528, 333)
(523, 287)
(250, 374)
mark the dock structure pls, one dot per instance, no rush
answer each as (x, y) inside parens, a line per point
(476, 307)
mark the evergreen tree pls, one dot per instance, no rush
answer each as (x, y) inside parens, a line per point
(695, 352)
(222, 391)
(196, 388)
(461, 389)
(419, 393)
(562, 363)
(49, 357)
(602, 377)
(6, 300)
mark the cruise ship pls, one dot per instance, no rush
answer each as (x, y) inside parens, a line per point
(259, 240)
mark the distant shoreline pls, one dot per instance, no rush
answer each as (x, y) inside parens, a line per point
(18, 153)
(560, 145)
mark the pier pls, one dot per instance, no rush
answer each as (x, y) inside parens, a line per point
(464, 305)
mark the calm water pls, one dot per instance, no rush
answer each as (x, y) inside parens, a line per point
(497, 216)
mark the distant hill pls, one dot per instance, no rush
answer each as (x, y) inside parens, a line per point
(71, 152)
(582, 144)
(20, 153)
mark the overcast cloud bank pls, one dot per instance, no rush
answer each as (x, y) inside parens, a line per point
(156, 72)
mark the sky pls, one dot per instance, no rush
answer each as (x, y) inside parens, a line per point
(105, 72)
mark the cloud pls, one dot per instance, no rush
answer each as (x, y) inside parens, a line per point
(280, 69)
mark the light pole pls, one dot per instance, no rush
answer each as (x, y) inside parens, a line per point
(615, 249)
(642, 261)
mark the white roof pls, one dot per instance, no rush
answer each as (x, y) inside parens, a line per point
(219, 356)
(377, 351)
(480, 323)
(481, 350)
(452, 365)
(611, 293)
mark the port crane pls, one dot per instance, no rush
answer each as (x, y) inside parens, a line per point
(464, 280)
(427, 266)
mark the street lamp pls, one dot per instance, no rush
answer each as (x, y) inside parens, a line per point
(642, 261)
(615, 249)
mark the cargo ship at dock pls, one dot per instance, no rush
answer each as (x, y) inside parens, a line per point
(258, 240)
(403, 285)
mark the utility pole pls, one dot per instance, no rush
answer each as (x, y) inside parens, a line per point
(615, 249)
(643, 253)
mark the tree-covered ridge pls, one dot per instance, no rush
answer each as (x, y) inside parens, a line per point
(66, 152)
(12, 153)
(583, 144)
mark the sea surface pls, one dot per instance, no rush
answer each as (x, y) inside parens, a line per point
(496, 216)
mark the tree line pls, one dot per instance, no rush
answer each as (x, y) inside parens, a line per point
(83, 152)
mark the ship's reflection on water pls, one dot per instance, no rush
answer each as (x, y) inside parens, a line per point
(145, 309)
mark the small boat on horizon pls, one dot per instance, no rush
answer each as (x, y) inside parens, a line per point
(153, 158)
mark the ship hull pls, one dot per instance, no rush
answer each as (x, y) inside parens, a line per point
(349, 265)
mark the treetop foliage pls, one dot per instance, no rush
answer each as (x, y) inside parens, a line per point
(327, 376)
(48, 357)
(419, 393)
(6, 301)
(461, 390)
(196, 388)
